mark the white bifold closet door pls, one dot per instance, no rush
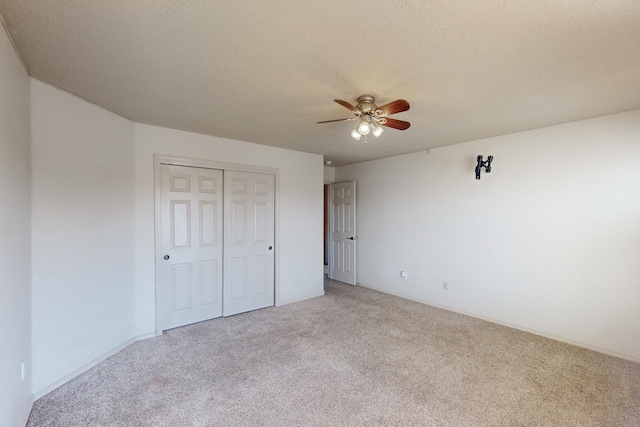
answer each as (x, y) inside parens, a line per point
(192, 245)
(216, 240)
(248, 242)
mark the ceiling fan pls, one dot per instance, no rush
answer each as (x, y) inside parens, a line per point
(371, 116)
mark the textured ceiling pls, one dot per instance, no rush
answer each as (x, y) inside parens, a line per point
(266, 71)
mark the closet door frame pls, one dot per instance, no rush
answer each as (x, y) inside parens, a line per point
(158, 161)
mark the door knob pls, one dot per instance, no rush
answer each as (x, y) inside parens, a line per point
(166, 257)
(270, 247)
(353, 238)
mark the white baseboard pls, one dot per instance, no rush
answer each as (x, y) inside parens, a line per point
(147, 336)
(86, 367)
(510, 325)
(281, 303)
(27, 411)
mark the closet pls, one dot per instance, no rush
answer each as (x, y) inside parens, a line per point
(215, 236)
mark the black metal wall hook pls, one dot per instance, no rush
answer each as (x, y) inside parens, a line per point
(486, 164)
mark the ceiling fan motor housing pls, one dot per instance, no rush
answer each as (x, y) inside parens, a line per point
(366, 104)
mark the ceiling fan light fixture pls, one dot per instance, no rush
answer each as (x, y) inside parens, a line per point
(355, 134)
(364, 127)
(376, 129)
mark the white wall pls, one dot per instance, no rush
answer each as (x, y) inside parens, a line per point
(300, 197)
(329, 175)
(93, 234)
(82, 233)
(549, 241)
(15, 191)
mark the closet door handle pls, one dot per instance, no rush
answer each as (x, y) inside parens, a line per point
(166, 257)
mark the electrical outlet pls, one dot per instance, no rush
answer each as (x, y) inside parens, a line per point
(306, 276)
(445, 286)
(403, 274)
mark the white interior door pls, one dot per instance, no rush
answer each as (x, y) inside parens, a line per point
(191, 245)
(342, 225)
(248, 241)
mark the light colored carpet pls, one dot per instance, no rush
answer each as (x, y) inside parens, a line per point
(354, 357)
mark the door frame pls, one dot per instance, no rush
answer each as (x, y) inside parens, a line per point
(161, 159)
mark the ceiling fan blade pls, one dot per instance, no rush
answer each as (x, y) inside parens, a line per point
(397, 106)
(338, 120)
(345, 104)
(396, 124)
